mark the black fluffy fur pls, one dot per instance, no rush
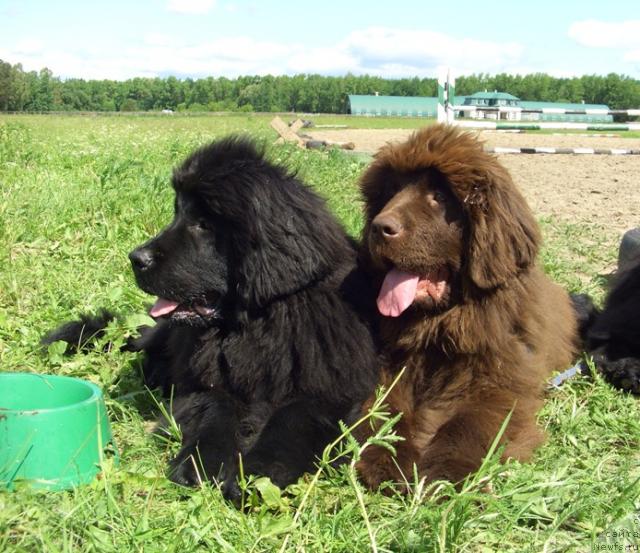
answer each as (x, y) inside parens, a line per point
(612, 336)
(270, 345)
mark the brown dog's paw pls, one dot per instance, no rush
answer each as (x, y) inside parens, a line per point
(370, 475)
(380, 471)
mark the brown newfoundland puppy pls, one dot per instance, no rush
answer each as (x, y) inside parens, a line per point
(451, 244)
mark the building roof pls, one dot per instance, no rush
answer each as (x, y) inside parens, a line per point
(526, 104)
(493, 95)
(358, 103)
(395, 105)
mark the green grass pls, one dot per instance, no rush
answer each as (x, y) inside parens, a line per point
(77, 193)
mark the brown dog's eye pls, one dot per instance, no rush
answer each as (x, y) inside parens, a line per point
(439, 197)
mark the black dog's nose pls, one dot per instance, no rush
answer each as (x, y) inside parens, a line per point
(142, 259)
(387, 226)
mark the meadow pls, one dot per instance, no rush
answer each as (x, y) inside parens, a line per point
(77, 193)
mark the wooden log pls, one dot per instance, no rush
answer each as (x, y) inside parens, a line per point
(285, 132)
(296, 125)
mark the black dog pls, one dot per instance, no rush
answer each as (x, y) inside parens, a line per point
(612, 336)
(262, 336)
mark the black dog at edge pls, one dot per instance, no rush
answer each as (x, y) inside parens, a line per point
(262, 336)
(612, 335)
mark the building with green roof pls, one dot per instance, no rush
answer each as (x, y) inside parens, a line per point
(489, 99)
(424, 106)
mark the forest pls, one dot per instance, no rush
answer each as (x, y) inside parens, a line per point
(42, 91)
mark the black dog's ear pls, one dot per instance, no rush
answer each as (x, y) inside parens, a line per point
(270, 268)
(288, 242)
(503, 234)
(586, 313)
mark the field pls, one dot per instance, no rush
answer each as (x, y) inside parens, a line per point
(77, 193)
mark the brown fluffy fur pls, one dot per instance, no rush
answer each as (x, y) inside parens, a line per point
(488, 346)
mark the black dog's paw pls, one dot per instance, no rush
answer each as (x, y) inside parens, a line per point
(623, 373)
(231, 490)
(185, 470)
(194, 467)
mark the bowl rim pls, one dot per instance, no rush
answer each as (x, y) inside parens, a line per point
(96, 393)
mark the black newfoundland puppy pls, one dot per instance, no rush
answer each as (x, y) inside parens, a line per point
(612, 336)
(262, 337)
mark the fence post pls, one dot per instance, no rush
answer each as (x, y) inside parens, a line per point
(446, 98)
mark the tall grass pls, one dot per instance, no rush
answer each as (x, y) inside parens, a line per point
(77, 193)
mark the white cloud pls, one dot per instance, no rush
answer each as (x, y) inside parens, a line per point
(191, 6)
(377, 51)
(321, 60)
(398, 52)
(238, 49)
(382, 51)
(29, 46)
(632, 56)
(425, 47)
(157, 39)
(75, 65)
(602, 34)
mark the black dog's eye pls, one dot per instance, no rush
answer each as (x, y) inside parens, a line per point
(202, 224)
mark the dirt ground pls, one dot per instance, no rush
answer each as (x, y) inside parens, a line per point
(602, 189)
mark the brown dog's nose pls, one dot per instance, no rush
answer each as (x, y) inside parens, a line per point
(387, 226)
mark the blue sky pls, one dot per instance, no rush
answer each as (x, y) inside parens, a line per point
(120, 39)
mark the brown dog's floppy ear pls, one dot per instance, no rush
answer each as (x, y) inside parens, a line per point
(504, 236)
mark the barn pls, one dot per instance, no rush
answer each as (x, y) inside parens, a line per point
(401, 106)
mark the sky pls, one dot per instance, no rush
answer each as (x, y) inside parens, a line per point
(121, 39)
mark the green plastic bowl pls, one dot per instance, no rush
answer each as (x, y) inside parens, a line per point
(54, 431)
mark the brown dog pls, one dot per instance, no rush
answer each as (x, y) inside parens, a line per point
(452, 245)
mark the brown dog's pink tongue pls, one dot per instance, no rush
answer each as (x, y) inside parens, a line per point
(163, 307)
(397, 292)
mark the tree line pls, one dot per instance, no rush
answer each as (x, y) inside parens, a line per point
(41, 91)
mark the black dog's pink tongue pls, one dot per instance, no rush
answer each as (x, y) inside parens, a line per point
(163, 307)
(397, 292)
